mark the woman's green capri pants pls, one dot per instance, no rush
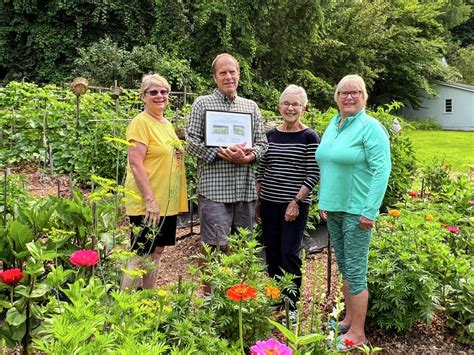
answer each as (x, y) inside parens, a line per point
(351, 244)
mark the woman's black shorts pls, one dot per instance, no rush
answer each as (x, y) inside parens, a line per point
(144, 240)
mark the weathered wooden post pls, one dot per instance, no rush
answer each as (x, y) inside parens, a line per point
(79, 87)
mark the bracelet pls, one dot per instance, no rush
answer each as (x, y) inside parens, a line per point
(297, 200)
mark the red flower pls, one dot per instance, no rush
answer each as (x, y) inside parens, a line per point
(348, 342)
(413, 194)
(11, 277)
(84, 258)
(241, 292)
(453, 229)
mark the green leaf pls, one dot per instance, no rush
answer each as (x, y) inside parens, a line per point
(35, 250)
(34, 268)
(310, 338)
(20, 235)
(14, 317)
(285, 331)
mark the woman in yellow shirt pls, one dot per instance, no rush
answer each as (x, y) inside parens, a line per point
(155, 172)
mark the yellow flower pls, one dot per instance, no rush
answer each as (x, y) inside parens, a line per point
(167, 309)
(429, 218)
(394, 213)
(161, 293)
(227, 270)
(272, 292)
(134, 273)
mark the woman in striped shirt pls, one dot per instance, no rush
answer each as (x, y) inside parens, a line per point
(285, 178)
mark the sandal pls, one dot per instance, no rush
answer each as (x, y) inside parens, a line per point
(335, 326)
(346, 345)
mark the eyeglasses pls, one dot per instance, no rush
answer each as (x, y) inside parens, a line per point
(288, 104)
(156, 92)
(344, 94)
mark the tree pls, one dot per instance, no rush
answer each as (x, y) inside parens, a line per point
(40, 38)
(464, 62)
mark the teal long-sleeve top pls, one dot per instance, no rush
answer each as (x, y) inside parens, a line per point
(354, 162)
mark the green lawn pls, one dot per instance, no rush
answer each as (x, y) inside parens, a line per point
(454, 147)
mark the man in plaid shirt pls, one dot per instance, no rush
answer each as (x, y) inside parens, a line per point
(226, 174)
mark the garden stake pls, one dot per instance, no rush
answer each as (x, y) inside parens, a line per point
(329, 267)
(94, 223)
(59, 187)
(5, 182)
(287, 314)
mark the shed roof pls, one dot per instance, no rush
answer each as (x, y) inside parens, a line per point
(457, 85)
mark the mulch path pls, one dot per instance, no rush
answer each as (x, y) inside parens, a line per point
(421, 339)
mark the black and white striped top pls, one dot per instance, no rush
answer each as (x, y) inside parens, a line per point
(288, 164)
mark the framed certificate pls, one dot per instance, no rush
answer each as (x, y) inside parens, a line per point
(223, 128)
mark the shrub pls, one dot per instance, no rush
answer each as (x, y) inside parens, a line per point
(425, 124)
(418, 266)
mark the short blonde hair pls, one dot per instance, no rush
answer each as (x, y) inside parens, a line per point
(294, 89)
(222, 55)
(150, 80)
(352, 79)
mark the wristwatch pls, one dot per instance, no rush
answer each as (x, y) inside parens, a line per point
(297, 200)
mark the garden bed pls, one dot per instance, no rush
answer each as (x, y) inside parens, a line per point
(421, 338)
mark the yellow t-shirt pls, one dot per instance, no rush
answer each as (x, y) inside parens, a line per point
(164, 164)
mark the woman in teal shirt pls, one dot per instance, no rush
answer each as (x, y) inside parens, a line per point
(354, 161)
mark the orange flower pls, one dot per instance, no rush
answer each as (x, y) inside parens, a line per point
(429, 218)
(241, 292)
(394, 213)
(272, 291)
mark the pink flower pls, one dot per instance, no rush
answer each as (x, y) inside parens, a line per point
(11, 277)
(471, 202)
(453, 229)
(270, 346)
(84, 258)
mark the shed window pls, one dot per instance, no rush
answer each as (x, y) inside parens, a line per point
(448, 106)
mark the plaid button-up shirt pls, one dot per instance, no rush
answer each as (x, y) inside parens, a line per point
(220, 180)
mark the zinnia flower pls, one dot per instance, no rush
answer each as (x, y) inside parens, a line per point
(272, 291)
(84, 258)
(394, 213)
(413, 194)
(429, 218)
(453, 229)
(241, 292)
(11, 277)
(270, 346)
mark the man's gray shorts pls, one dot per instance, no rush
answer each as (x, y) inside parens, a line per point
(219, 219)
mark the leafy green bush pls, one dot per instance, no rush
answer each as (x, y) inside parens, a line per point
(425, 124)
(420, 262)
(243, 265)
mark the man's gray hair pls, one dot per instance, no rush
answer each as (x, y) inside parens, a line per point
(213, 66)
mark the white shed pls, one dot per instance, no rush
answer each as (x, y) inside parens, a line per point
(453, 108)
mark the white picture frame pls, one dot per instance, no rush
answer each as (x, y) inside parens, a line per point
(224, 128)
